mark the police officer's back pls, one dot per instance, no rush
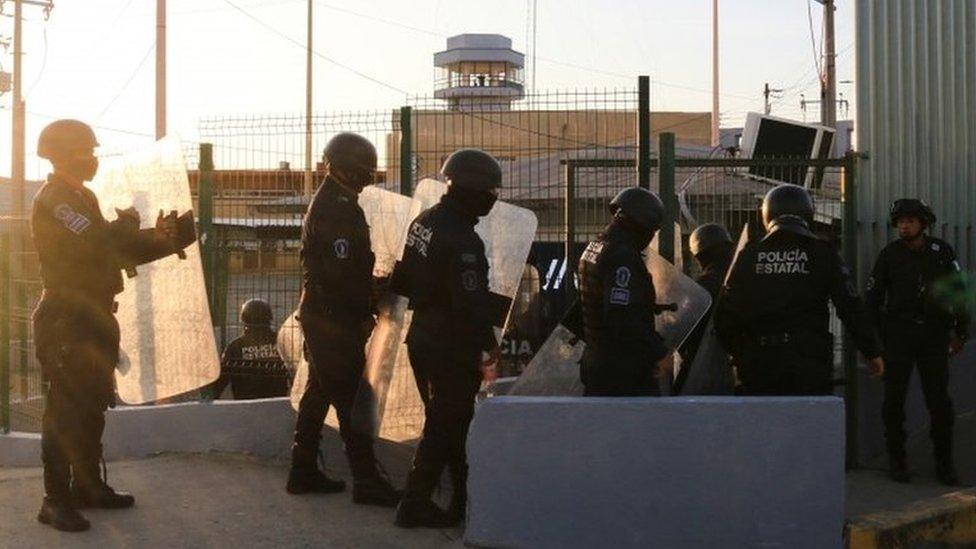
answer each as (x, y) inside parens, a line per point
(918, 329)
(444, 272)
(773, 315)
(624, 355)
(250, 364)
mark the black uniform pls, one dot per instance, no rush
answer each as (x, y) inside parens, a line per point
(915, 331)
(76, 335)
(773, 316)
(336, 317)
(618, 303)
(711, 278)
(444, 272)
(252, 366)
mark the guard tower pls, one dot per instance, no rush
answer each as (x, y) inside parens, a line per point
(479, 71)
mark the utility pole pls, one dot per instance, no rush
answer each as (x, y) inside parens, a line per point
(716, 139)
(767, 92)
(160, 69)
(828, 80)
(308, 106)
(19, 109)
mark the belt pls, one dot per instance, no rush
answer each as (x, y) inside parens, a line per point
(773, 340)
(72, 297)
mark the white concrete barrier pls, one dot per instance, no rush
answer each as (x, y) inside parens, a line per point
(260, 427)
(666, 472)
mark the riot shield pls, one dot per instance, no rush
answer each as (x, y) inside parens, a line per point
(388, 216)
(167, 345)
(710, 372)
(507, 233)
(554, 371)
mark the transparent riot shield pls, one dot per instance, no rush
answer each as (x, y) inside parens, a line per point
(388, 216)
(554, 370)
(710, 372)
(507, 232)
(168, 347)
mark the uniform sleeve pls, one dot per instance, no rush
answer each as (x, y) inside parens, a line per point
(140, 246)
(729, 311)
(79, 233)
(467, 274)
(628, 304)
(850, 309)
(342, 262)
(877, 289)
(960, 312)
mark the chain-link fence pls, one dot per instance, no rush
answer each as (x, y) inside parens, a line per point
(564, 156)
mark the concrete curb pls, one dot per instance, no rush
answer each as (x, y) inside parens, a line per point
(259, 427)
(950, 518)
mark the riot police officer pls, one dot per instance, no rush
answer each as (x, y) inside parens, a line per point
(444, 273)
(712, 248)
(624, 354)
(251, 364)
(76, 334)
(772, 315)
(336, 315)
(917, 331)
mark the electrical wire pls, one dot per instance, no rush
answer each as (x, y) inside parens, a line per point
(317, 54)
(40, 73)
(132, 77)
(817, 60)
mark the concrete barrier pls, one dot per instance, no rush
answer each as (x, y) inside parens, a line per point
(259, 427)
(679, 472)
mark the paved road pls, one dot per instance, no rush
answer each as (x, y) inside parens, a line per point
(208, 501)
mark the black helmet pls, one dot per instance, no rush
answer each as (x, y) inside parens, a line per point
(65, 136)
(787, 200)
(707, 236)
(913, 207)
(640, 207)
(473, 169)
(350, 151)
(256, 312)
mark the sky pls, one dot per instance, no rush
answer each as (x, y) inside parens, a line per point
(94, 59)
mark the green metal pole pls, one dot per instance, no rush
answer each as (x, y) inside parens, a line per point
(666, 182)
(205, 215)
(5, 318)
(406, 151)
(644, 132)
(570, 252)
(849, 353)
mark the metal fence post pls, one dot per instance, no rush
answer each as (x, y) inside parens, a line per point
(406, 151)
(849, 353)
(644, 132)
(205, 216)
(665, 176)
(6, 316)
(570, 177)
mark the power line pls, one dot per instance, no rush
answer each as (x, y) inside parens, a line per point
(132, 77)
(317, 54)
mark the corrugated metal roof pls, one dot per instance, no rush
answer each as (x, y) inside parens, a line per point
(916, 117)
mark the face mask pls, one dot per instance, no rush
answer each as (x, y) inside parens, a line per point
(79, 167)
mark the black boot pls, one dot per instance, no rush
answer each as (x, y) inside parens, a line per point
(898, 468)
(375, 491)
(91, 490)
(61, 515)
(305, 476)
(421, 512)
(945, 470)
(457, 508)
